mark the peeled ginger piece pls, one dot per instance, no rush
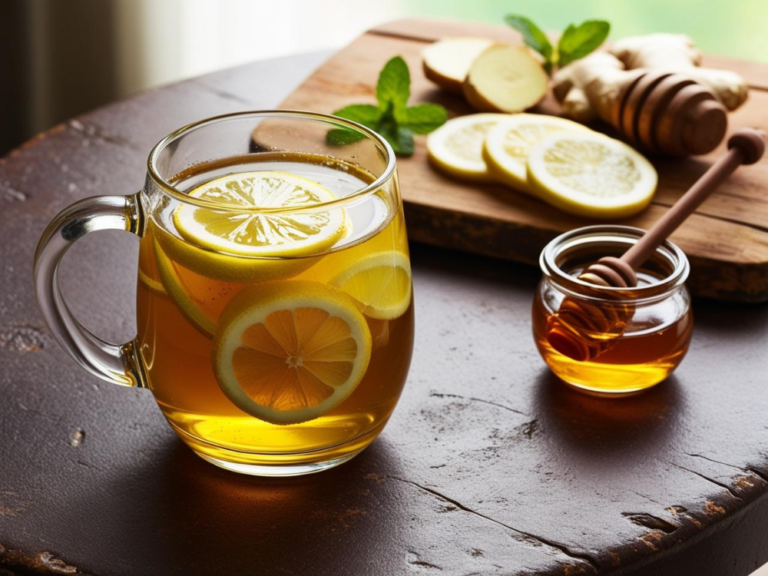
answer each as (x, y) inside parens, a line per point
(505, 79)
(447, 61)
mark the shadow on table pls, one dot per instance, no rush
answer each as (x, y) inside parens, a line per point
(181, 515)
(599, 431)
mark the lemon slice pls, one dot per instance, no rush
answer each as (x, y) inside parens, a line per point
(261, 234)
(507, 144)
(288, 352)
(229, 267)
(380, 283)
(199, 299)
(153, 285)
(148, 268)
(457, 146)
(591, 175)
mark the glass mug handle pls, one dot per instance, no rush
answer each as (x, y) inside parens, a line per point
(110, 362)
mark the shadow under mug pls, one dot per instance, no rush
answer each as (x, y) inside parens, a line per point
(287, 353)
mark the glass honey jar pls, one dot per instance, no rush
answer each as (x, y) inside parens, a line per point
(656, 321)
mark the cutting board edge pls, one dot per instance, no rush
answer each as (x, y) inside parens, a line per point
(709, 278)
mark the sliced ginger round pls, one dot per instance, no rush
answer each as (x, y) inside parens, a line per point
(505, 79)
(506, 146)
(288, 352)
(588, 174)
(457, 146)
(447, 61)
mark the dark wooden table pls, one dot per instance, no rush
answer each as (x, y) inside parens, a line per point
(489, 465)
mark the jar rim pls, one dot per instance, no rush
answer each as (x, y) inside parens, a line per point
(603, 233)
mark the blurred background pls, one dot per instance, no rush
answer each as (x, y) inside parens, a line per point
(63, 57)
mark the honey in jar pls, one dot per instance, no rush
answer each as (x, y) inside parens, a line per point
(654, 335)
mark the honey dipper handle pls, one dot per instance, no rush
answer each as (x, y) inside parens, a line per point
(745, 147)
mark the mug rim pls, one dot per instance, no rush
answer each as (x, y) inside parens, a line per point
(172, 191)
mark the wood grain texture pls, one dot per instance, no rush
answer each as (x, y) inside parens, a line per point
(488, 466)
(727, 240)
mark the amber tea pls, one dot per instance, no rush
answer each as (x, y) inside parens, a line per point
(274, 337)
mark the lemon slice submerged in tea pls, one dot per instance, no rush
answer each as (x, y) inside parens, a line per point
(587, 174)
(380, 283)
(508, 143)
(146, 267)
(288, 352)
(261, 234)
(199, 299)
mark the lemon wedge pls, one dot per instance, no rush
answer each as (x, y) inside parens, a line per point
(456, 147)
(261, 234)
(590, 175)
(380, 283)
(288, 352)
(507, 144)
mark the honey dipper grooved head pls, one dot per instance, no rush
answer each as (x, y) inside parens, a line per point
(565, 335)
(567, 345)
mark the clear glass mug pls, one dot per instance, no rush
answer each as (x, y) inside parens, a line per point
(274, 306)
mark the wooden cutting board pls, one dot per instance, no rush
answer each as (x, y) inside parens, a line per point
(726, 240)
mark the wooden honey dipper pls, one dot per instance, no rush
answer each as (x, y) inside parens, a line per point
(569, 330)
(670, 114)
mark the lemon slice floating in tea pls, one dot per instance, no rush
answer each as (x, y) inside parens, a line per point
(288, 352)
(257, 234)
(508, 143)
(590, 175)
(457, 146)
(380, 283)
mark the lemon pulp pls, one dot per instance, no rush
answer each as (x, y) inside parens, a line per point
(507, 144)
(591, 175)
(288, 352)
(457, 147)
(380, 283)
(254, 233)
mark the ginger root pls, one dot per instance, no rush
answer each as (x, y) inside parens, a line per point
(588, 87)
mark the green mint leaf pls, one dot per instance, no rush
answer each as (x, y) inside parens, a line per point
(422, 118)
(533, 37)
(343, 136)
(578, 41)
(365, 114)
(404, 142)
(393, 118)
(400, 138)
(394, 86)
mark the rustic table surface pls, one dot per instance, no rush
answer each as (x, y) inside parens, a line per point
(489, 465)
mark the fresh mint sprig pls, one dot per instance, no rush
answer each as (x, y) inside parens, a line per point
(392, 118)
(575, 41)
